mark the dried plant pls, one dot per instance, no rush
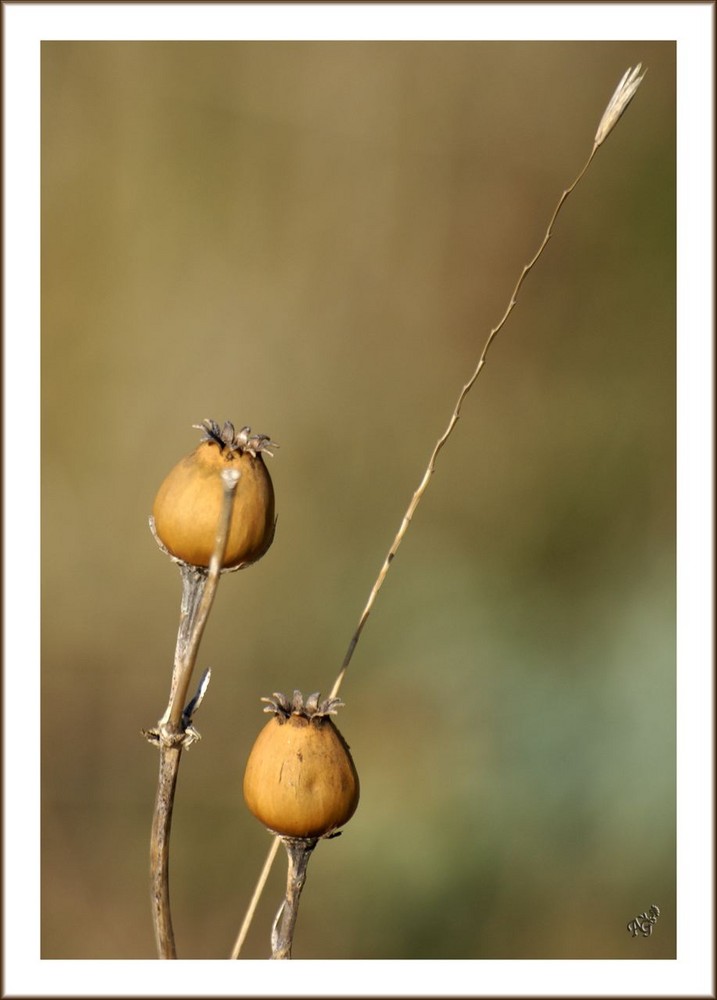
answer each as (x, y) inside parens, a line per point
(208, 479)
(175, 730)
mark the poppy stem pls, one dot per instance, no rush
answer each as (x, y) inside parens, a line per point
(175, 731)
(299, 850)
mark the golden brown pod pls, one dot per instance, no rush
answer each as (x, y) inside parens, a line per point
(188, 506)
(300, 780)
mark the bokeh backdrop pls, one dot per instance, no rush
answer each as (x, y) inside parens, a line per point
(315, 239)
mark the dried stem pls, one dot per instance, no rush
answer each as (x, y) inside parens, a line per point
(175, 730)
(299, 850)
(620, 99)
(430, 468)
(251, 909)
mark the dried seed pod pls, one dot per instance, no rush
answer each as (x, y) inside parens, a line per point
(300, 780)
(187, 508)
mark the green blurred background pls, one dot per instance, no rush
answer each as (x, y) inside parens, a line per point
(315, 239)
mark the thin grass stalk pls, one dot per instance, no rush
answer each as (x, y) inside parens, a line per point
(621, 98)
(455, 415)
(624, 93)
(253, 903)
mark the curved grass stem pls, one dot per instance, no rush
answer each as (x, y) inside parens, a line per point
(251, 909)
(624, 93)
(455, 415)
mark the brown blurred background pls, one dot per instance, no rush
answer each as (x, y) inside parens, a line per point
(315, 239)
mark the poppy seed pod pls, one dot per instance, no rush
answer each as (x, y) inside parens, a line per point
(300, 780)
(188, 506)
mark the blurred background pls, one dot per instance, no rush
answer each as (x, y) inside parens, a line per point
(315, 239)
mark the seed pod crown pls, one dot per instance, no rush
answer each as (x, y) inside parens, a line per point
(311, 709)
(235, 441)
